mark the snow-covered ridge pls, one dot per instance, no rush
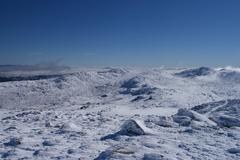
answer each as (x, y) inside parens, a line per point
(157, 87)
(191, 73)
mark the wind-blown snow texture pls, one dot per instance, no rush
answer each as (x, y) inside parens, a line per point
(120, 113)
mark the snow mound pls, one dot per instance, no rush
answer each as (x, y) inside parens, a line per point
(69, 127)
(161, 121)
(191, 73)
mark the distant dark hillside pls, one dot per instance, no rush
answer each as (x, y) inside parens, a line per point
(28, 78)
(8, 68)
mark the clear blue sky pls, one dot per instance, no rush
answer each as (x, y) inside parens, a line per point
(120, 32)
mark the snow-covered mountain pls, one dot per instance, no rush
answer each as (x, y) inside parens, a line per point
(120, 113)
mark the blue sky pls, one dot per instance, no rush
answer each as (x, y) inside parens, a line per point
(120, 32)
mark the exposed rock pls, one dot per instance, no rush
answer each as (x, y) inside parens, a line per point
(35, 153)
(131, 83)
(7, 154)
(234, 150)
(48, 124)
(182, 120)
(165, 122)
(116, 152)
(70, 151)
(104, 95)
(41, 153)
(10, 128)
(226, 121)
(130, 128)
(206, 107)
(13, 142)
(223, 113)
(134, 128)
(153, 156)
(185, 112)
(28, 113)
(137, 98)
(48, 143)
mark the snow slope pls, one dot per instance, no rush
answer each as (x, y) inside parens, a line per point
(65, 114)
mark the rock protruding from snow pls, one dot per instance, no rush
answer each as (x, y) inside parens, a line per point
(13, 142)
(234, 150)
(183, 117)
(48, 143)
(134, 128)
(182, 120)
(226, 121)
(131, 83)
(136, 86)
(7, 154)
(225, 114)
(187, 117)
(206, 107)
(130, 128)
(153, 156)
(185, 112)
(117, 152)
